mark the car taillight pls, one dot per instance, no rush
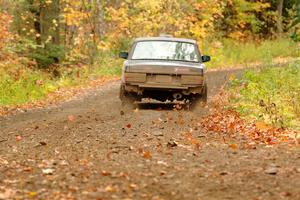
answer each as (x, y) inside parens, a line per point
(135, 77)
(203, 68)
(126, 68)
(192, 79)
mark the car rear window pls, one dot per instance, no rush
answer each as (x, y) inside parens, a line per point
(165, 50)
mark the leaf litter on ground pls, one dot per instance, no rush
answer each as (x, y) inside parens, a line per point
(224, 120)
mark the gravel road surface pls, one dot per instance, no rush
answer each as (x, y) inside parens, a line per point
(90, 148)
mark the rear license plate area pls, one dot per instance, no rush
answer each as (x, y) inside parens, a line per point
(163, 79)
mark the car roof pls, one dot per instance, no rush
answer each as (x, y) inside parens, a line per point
(165, 38)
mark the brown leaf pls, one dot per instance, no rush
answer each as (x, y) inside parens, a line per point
(18, 138)
(27, 169)
(171, 144)
(147, 155)
(132, 186)
(262, 126)
(109, 188)
(71, 118)
(233, 146)
(105, 173)
(32, 194)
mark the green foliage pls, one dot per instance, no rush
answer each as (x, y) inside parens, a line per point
(107, 64)
(271, 95)
(46, 56)
(241, 18)
(19, 84)
(27, 86)
(296, 23)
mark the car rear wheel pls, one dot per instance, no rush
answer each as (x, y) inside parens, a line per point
(127, 98)
(203, 97)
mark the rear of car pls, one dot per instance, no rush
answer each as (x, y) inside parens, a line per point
(164, 69)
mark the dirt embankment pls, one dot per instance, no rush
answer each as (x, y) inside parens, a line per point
(89, 149)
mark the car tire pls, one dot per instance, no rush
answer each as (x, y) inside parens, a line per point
(204, 95)
(201, 99)
(126, 98)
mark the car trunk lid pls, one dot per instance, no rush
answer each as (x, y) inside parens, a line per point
(165, 67)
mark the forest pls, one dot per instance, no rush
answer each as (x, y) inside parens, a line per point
(51, 32)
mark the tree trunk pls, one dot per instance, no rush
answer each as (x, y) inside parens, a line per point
(100, 22)
(50, 22)
(279, 17)
(56, 11)
(36, 12)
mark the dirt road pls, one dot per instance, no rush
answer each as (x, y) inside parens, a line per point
(89, 149)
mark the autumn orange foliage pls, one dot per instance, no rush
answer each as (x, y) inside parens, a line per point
(5, 36)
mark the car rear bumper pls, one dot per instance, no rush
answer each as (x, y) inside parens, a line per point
(159, 86)
(141, 88)
(183, 83)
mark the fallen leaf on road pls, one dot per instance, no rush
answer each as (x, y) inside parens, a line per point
(43, 143)
(27, 169)
(262, 126)
(71, 118)
(171, 144)
(48, 171)
(271, 170)
(223, 173)
(56, 152)
(18, 138)
(133, 186)
(162, 163)
(285, 194)
(196, 143)
(32, 194)
(147, 155)
(109, 188)
(233, 146)
(128, 125)
(105, 173)
(162, 173)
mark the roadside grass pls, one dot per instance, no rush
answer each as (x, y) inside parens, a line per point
(20, 84)
(230, 53)
(271, 95)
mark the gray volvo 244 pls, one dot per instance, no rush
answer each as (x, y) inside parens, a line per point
(165, 69)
